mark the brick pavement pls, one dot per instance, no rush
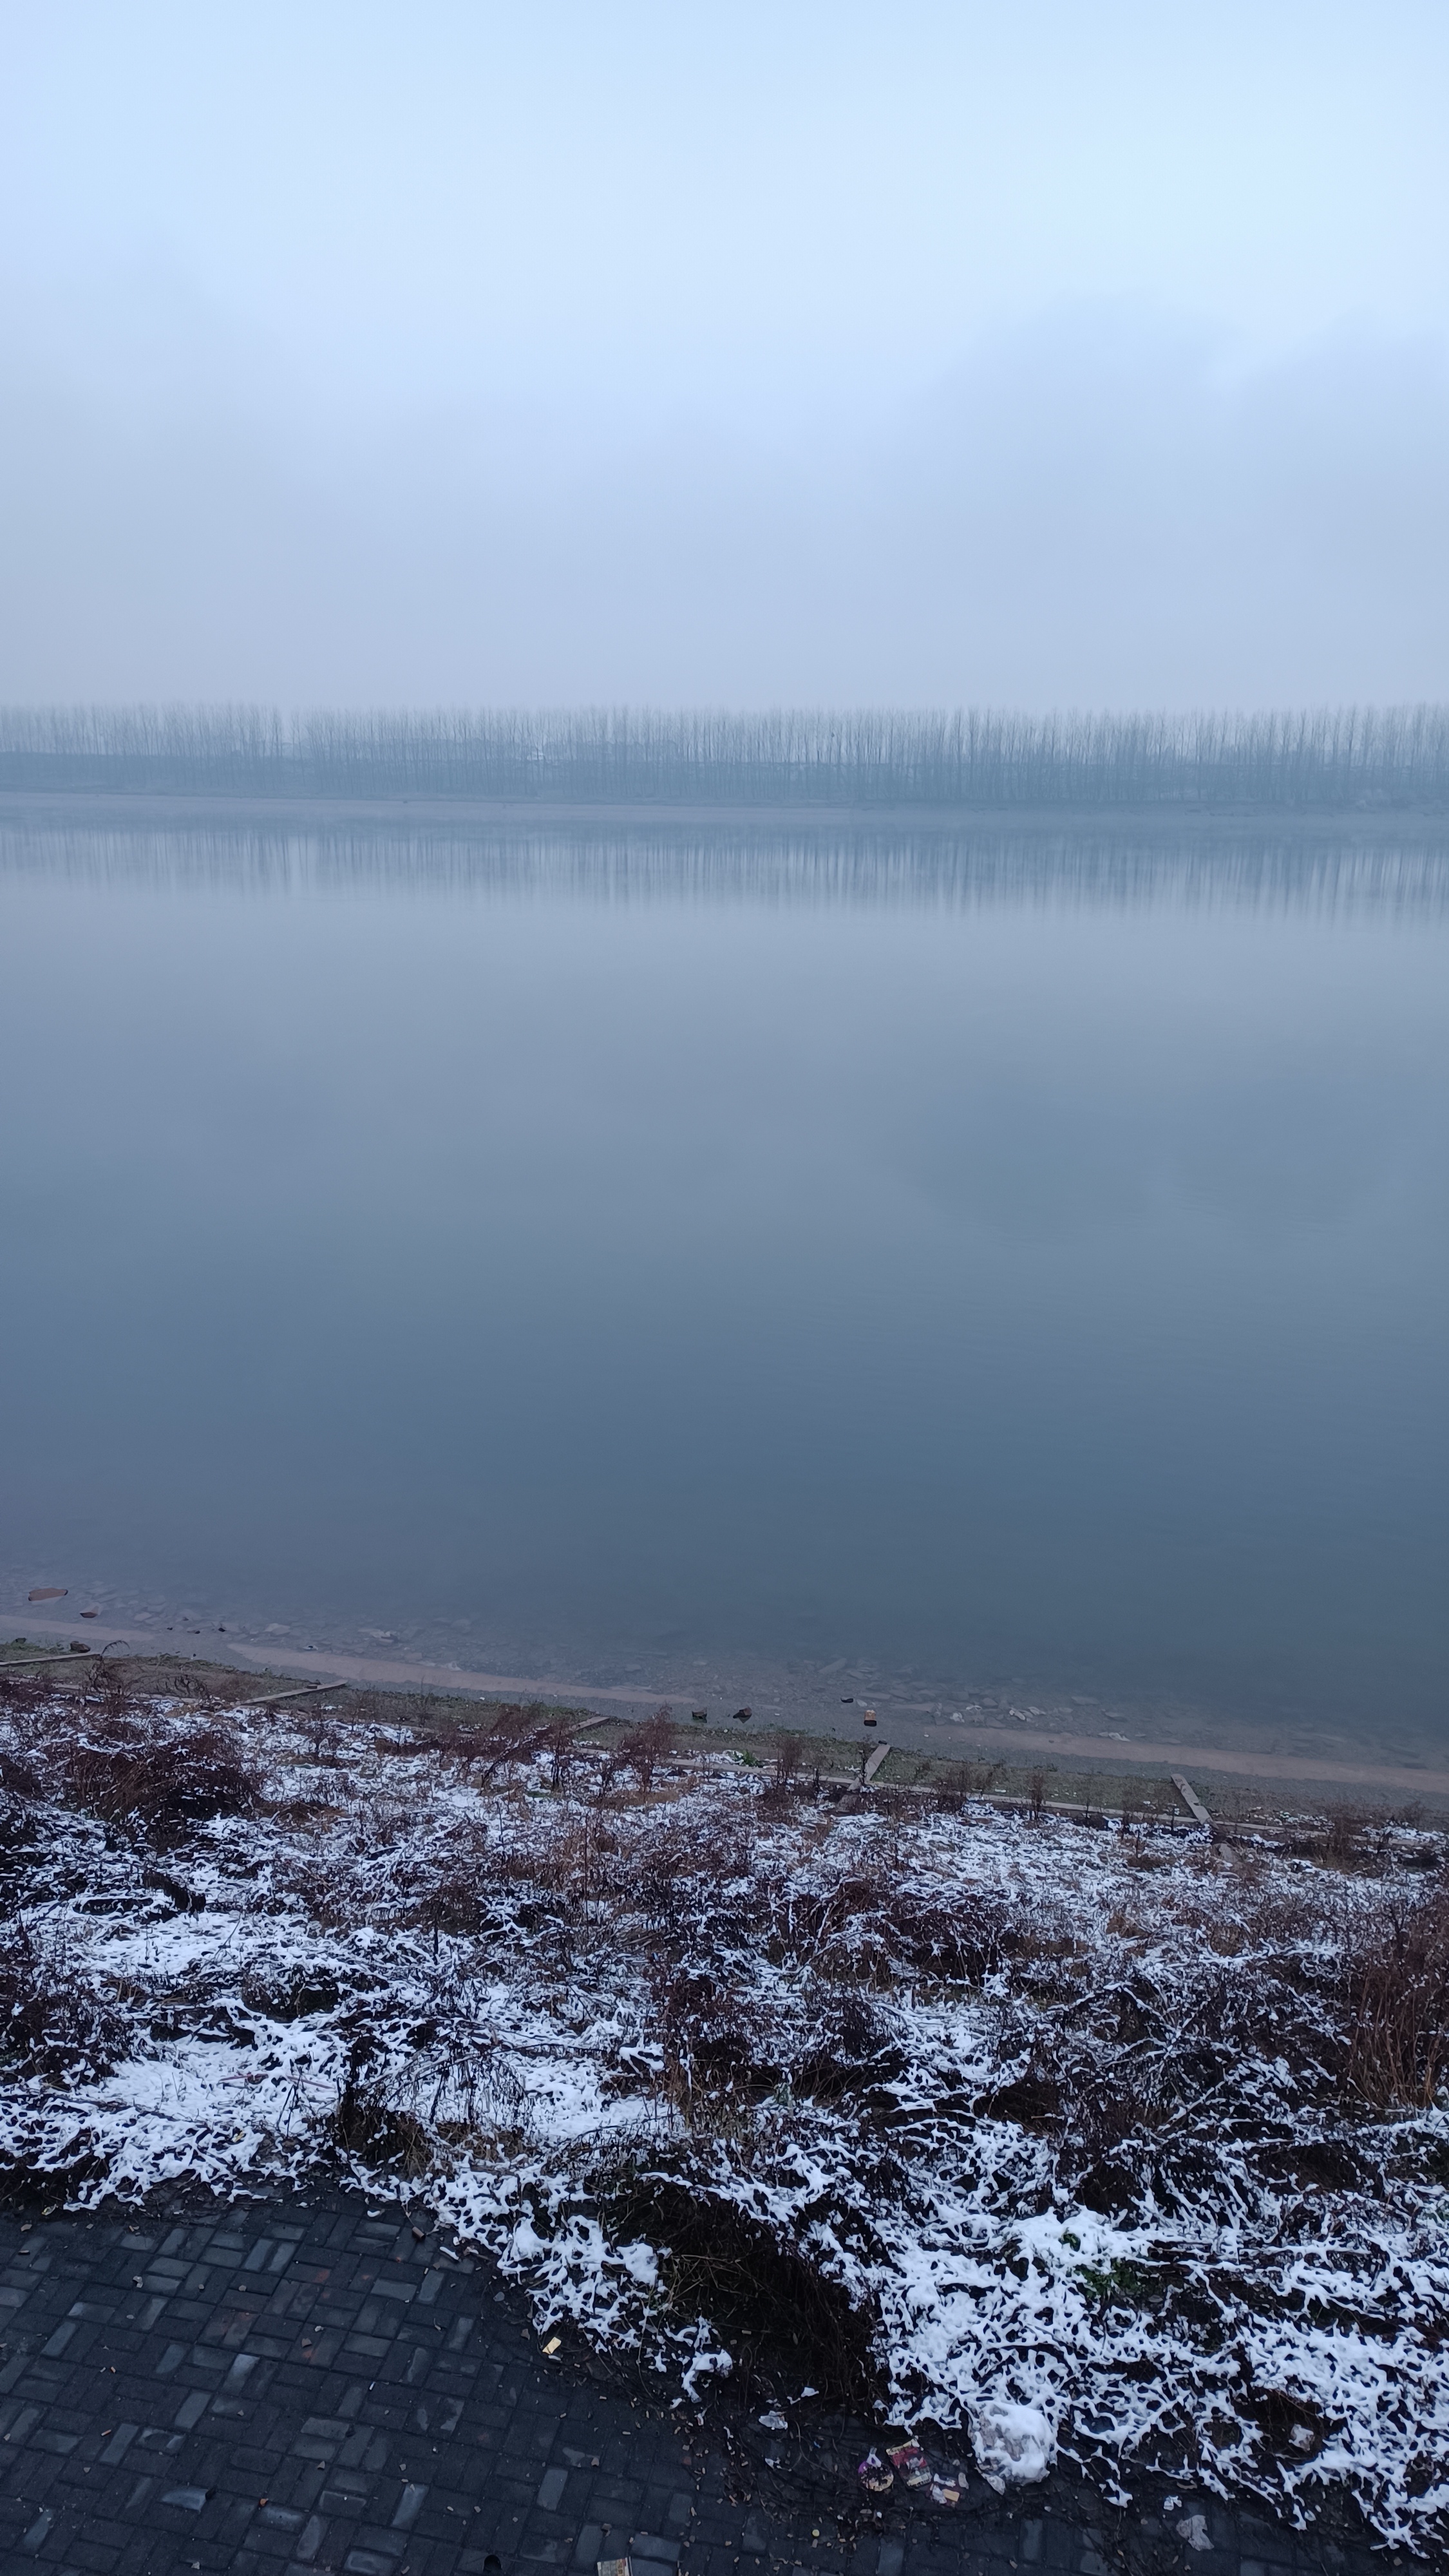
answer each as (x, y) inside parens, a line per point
(311, 2385)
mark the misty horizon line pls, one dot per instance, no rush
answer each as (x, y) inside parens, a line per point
(1329, 758)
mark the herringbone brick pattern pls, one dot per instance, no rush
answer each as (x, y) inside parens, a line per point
(293, 2389)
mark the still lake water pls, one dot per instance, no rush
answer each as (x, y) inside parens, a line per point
(1006, 1264)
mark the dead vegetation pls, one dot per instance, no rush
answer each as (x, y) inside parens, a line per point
(160, 1783)
(1396, 1989)
(370, 2130)
(157, 1775)
(765, 2293)
(827, 2054)
(53, 2021)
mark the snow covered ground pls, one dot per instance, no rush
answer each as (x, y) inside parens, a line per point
(1117, 2146)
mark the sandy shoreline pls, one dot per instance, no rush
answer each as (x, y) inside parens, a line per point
(919, 1729)
(1242, 1765)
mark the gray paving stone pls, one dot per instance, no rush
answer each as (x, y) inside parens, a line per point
(290, 2439)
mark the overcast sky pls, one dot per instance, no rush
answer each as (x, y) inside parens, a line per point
(1034, 354)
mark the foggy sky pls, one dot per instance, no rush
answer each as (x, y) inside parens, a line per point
(922, 354)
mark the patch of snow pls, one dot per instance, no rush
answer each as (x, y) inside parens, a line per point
(1061, 2115)
(1014, 2445)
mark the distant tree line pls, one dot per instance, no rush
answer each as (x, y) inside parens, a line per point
(1334, 758)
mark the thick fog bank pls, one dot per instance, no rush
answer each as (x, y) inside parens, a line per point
(1102, 508)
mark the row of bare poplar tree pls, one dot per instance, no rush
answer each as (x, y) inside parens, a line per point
(1333, 758)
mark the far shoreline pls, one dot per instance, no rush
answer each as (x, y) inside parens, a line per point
(114, 808)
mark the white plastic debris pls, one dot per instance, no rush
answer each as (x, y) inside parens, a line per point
(1193, 2529)
(715, 2363)
(1014, 2445)
(774, 2422)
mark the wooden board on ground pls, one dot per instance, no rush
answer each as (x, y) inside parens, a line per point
(1191, 1800)
(308, 1690)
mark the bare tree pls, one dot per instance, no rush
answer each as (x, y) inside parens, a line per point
(1334, 759)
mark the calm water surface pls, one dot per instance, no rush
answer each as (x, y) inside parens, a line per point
(1008, 1267)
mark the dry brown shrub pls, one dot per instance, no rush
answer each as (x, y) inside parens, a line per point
(366, 2127)
(766, 2295)
(872, 1926)
(52, 2020)
(713, 2042)
(454, 1903)
(322, 1887)
(159, 1778)
(1106, 2134)
(1284, 1917)
(789, 1761)
(287, 1991)
(19, 1778)
(645, 1747)
(107, 1683)
(1396, 1979)
(303, 1815)
(694, 1882)
(672, 1879)
(21, 1691)
(563, 1753)
(489, 1755)
(1343, 1843)
(953, 1788)
(848, 2049)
